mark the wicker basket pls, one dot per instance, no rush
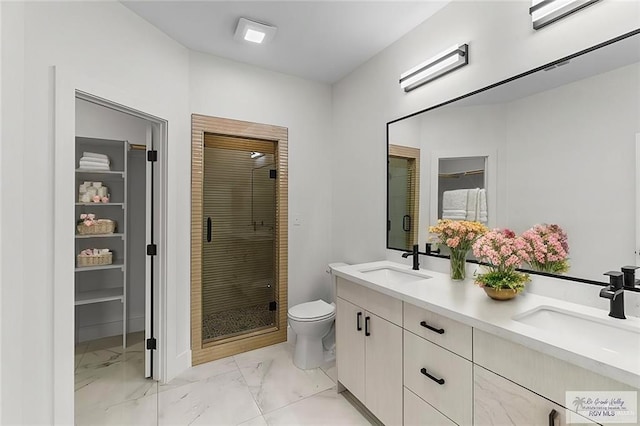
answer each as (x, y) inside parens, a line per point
(100, 259)
(100, 226)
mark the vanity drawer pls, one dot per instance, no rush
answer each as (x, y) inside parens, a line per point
(418, 412)
(451, 386)
(450, 334)
(384, 306)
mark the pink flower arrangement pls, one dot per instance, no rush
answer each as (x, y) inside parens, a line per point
(547, 248)
(503, 251)
(89, 219)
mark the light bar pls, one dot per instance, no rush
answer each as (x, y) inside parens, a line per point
(451, 59)
(545, 12)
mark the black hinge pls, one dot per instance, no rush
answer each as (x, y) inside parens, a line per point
(152, 250)
(151, 344)
(273, 173)
(273, 306)
(152, 155)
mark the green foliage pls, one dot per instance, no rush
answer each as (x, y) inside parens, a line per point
(503, 280)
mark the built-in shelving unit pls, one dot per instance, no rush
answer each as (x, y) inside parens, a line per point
(104, 283)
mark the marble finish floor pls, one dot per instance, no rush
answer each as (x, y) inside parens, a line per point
(256, 388)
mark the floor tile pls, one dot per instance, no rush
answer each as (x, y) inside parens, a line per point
(325, 408)
(201, 372)
(330, 370)
(220, 400)
(256, 421)
(267, 370)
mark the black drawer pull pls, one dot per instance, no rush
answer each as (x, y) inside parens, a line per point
(358, 325)
(435, 379)
(437, 330)
(552, 417)
(366, 326)
(208, 229)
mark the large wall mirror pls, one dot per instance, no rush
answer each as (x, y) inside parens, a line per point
(554, 145)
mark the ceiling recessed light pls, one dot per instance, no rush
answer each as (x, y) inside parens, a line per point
(254, 32)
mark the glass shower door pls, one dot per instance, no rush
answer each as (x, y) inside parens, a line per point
(238, 254)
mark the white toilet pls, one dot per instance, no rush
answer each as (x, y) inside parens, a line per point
(311, 322)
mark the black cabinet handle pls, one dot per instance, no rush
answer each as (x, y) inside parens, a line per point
(208, 229)
(552, 417)
(358, 326)
(366, 326)
(436, 330)
(435, 379)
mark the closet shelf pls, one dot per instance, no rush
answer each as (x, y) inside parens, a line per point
(114, 235)
(99, 204)
(82, 237)
(117, 265)
(97, 296)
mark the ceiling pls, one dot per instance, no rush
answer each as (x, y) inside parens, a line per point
(316, 40)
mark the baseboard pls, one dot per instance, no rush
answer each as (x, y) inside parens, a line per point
(98, 331)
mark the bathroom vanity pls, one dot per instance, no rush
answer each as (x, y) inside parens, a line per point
(415, 347)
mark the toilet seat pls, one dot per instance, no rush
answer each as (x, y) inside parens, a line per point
(312, 311)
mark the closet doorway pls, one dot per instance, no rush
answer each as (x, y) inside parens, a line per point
(239, 237)
(116, 205)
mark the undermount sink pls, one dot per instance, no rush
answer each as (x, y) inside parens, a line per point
(394, 276)
(605, 333)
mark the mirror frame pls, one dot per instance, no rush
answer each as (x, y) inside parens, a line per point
(427, 251)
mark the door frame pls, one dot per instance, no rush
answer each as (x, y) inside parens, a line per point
(201, 124)
(68, 85)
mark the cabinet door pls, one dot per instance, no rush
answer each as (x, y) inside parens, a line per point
(498, 401)
(350, 347)
(383, 376)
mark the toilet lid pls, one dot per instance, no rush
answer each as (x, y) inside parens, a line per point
(316, 309)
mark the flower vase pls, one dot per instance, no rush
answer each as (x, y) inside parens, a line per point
(458, 262)
(500, 293)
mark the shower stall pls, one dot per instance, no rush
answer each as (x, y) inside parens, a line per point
(238, 236)
(238, 252)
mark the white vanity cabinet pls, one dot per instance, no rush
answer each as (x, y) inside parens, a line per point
(369, 349)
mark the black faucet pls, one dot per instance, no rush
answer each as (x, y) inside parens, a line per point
(615, 293)
(629, 276)
(416, 257)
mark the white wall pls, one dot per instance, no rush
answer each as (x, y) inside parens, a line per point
(130, 61)
(223, 88)
(501, 42)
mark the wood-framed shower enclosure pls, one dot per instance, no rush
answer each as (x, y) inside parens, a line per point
(243, 132)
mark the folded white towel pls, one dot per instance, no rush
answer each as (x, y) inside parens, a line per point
(455, 200)
(93, 163)
(472, 204)
(93, 166)
(96, 160)
(483, 214)
(95, 155)
(454, 214)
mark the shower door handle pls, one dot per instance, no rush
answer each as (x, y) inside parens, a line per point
(208, 229)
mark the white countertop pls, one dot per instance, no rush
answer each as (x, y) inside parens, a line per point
(467, 303)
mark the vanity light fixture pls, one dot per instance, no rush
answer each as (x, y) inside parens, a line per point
(443, 63)
(545, 12)
(254, 32)
(256, 154)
